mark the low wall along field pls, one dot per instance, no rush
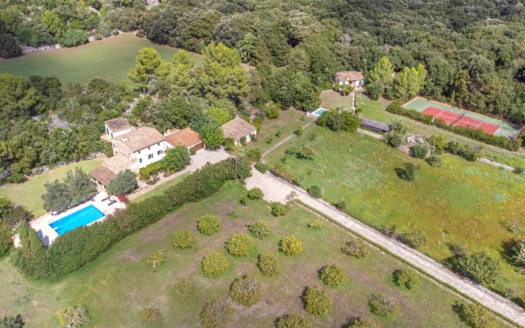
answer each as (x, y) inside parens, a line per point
(464, 118)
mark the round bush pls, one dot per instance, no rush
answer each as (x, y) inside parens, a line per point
(291, 245)
(421, 150)
(269, 264)
(255, 193)
(384, 305)
(214, 263)
(246, 290)
(356, 248)
(315, 191)
(259, 229)
(293, 321)
(239, 244)
(434, 161)
(317, 301)
(73, 316)
(215, 314)
(183, 239)
(183, 289)
(477, 316)
(150, 315)
(209, 224)
(332, 275)
(363, 323)
(406, 277)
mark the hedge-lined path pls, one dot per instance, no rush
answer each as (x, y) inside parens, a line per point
(276, 189)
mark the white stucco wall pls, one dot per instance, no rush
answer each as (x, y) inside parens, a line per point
(150, 154)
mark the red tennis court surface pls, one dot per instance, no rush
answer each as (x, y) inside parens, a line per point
(460, 120)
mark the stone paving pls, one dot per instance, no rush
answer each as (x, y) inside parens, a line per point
(276, 189)
(101, 201)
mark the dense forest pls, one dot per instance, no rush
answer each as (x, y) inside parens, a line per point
(465, 52)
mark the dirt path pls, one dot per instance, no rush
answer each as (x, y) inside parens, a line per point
(276, 189)
(284, 140)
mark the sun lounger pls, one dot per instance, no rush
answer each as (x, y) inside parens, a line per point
(104, 199)
(112, 202)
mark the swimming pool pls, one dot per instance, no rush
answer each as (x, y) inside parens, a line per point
(319, 111)
(77, 219)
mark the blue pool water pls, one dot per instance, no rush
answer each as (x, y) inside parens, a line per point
(77, 219)
(320, 111)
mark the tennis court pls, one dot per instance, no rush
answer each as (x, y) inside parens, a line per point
(461, 119)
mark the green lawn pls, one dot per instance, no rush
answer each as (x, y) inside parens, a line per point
(461, 202)
(288, 121)
(29, 193)
(109, 59)
(331, 99)
(117, 285)
(375, 111)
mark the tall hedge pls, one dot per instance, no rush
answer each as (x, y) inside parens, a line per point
(74, 249)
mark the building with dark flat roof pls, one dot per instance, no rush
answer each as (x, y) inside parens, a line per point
(374, 125)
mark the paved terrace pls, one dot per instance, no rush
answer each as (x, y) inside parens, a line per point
(276, 189)
(48, 235)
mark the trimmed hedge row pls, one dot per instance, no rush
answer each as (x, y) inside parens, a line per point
(475, 134)
(74, 249)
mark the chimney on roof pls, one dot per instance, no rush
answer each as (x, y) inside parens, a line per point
(124, 138)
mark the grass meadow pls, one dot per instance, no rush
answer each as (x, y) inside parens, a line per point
(109, 59)
(288, 121)
(29, 193)
(463, 202)
(118, 284)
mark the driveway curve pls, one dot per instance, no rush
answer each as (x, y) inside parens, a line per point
(276, 189)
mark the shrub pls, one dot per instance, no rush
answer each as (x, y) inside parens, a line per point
(316, 224)
(244, 201)
(384, 305)
(518, 252)
(279, 209)
(332, 275)
(246, 290)
(421, 150)
(356, 248)
(363, 323)
(291, 245)
(239, 244)
(317, 301)
(476, 316)
(269, 264)
(408, 173)
(214, 263)
(341, 205)
(156, 259)
(299, 131)
(479, 267)
(12, 322)
(261, 167)
(254, 154)
(73, 316)
(315, 191)
(259, 229)
(434, 161)
(183, 239)
(183, 289)
(150, 315)
(293, 321)
(255, 193)
(407, 277)
(215, 314)
(273, 111)
(413, 239)
(393, 139)
(209, 224)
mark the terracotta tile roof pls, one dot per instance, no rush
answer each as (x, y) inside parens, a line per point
(237, 128)
(103, 175)
(119, 163)
(349, 76)
(186, 137)
(140, 138)
(118, 124)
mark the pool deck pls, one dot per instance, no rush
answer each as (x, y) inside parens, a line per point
(48, 235)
